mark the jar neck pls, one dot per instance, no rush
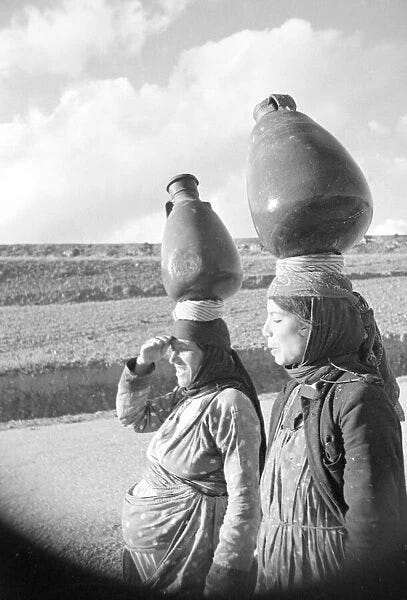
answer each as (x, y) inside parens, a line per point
(183, 187)
(182, 195)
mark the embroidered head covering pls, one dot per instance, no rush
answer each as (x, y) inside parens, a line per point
(311, 275)
(343, 331)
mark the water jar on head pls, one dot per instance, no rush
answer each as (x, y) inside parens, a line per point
(306, 193)
(199, 259)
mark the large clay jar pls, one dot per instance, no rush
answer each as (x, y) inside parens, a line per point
(306, 193)
(199, 260)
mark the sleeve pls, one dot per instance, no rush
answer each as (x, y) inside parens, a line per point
(372, 474)
(235, 428)
(134, 408)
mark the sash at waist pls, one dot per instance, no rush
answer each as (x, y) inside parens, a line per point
(162, 481)
(150, 523)
(153, 522)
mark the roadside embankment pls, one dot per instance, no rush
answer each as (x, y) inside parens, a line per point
(87, 389)
(80, 389)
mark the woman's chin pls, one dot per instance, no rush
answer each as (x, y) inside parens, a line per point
(276, 357)
(183, 380)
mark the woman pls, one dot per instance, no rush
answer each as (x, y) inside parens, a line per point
(332, 491)
(190, 524)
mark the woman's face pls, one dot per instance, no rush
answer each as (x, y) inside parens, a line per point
(286, 335)
(186, 356)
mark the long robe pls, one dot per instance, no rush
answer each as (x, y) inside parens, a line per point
(300, 541)
(196, 510)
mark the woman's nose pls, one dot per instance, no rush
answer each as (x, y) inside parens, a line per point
(266, 331)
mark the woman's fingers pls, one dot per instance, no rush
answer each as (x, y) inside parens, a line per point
(166, 339)
(154, 349)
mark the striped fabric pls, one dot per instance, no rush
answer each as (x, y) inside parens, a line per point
(327, 263)
(199, 310)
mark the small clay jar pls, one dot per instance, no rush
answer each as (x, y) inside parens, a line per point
(306, 193)
(199, 259)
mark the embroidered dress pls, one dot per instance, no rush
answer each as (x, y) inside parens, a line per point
(198, 501)
(299, 541)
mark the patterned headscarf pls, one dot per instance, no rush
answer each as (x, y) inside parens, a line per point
(311, 275)
(344, 331)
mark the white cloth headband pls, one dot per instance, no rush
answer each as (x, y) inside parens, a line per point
(199, 310)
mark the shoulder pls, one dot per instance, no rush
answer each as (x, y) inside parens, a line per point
(356, 385)
(231, 397)
(361, 394)
(231, 400)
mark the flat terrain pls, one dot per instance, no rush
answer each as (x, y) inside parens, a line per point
(60, 274)
(50, 280)
(39, 337)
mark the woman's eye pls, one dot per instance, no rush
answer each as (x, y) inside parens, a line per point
(276, 320)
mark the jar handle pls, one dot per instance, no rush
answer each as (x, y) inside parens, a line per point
(273, 103)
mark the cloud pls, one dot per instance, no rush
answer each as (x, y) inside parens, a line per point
(95, 167)
(378, 128)
(390, 227)
(63, 39)
(229, 202)
(402, 124)
(399, 165)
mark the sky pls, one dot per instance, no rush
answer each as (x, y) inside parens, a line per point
(103, 101)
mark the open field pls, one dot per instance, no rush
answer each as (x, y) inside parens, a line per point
(37, 338)
(49, 280)
(64, 276)
(371, 244)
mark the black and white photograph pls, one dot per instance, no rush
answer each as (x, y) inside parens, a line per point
(203, 299)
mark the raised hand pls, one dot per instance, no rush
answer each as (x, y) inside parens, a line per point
(154, 350)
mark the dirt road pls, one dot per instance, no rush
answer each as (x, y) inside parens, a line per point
(63, 484)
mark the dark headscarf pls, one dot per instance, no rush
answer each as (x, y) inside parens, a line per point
(335, 336)
(221, 366)
(344, 334)
(215, 333)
